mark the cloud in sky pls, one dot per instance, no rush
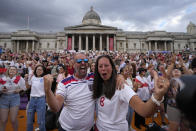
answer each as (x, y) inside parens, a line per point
(129, 15)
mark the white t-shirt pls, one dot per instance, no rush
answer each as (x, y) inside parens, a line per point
(3, 79)
(112, 113)
(37, 86)
(10, 63)
(129, 82)
(78, 112)
(150, 82)
(12, 84)
(144, 92)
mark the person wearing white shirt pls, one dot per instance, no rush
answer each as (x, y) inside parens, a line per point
(76, 93)
(143, 92)
(113, 104)
(10, 87)
(127, 72)
(37, 101)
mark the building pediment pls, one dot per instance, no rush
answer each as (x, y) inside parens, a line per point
(90, 27)
(24, 32)
(24, 35)
(159, 39)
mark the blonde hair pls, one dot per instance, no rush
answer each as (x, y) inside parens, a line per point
(7, 72)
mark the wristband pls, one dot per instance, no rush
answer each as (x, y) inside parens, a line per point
(158, 103)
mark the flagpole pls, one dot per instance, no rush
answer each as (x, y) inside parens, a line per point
(28, 23)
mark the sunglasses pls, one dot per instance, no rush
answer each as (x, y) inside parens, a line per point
(80, 60)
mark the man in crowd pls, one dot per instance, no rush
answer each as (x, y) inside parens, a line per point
(75, 93)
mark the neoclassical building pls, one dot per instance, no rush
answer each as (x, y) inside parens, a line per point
(92, 35)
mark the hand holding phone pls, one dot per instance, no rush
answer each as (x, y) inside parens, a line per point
(4, 89)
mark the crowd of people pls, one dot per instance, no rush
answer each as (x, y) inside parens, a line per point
(98, 90)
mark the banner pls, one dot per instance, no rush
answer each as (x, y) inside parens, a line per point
(69, 45)
(111, 46)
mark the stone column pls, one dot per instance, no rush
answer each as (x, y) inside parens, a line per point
(165, 45)
(193, 46)
(171, 46)
(66, 42)
(65, 45)
(80, 42)
(72, 40)
(12, 45)
(107, 41)
(100, 43)
(124, 45)
(150, 46)
(86, 42)
(155, 45)
(27, 46)
(33, 46)
(17, 48)
(93, 42)
(115, 43)
(57, 45)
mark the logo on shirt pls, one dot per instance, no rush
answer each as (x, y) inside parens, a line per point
(41, 80)
(102, 101)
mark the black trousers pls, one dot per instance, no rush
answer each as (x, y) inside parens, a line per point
(139, 120)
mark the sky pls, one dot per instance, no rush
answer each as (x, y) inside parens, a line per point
(128, 15)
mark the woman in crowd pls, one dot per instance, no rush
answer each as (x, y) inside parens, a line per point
(134, 70)
(62, 72)
(92, 67)
(143, 92)
(10, 98)
(127, 72)
(70, 67)
(37, 101)
(113, 104)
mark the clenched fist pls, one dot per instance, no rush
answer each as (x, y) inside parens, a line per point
(48, 79)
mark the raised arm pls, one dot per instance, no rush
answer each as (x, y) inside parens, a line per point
(171, 67)
(161, 85)
(26, 81)
(54, 102)
(185, 70)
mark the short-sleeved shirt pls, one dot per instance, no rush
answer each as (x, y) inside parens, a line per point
(112, 113)
(37, 86)
(12, 84)
(78, 112)
(143, 92)
(2, 81)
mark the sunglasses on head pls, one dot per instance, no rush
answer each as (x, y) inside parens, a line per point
(80, 60)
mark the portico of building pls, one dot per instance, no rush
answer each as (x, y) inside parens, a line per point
(160, 44)
(24, 41)
(91, 37)
(24, 45)
(93, 42)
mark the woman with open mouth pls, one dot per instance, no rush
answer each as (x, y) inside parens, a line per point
(113, 104)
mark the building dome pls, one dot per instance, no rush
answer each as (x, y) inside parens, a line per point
(91, 17)
(191, 28)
